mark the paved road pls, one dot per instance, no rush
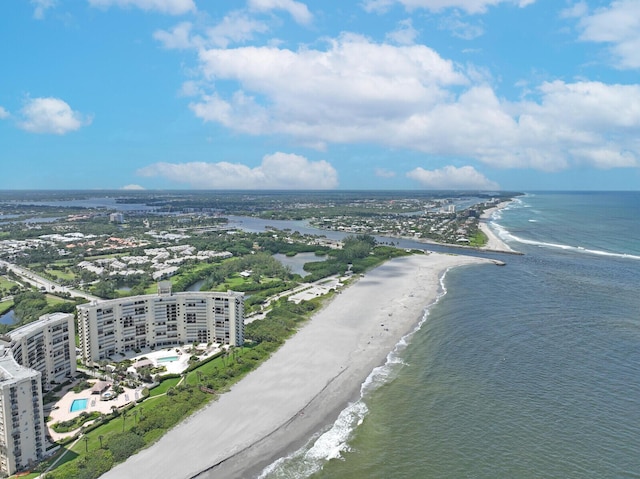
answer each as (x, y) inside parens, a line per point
(43, 283)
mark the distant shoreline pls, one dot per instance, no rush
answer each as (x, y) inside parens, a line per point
(303, 387)
(494, 243)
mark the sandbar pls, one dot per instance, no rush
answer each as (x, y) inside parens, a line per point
(302, 388)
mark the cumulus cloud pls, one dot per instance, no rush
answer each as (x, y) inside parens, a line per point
(133, 187)
(469, 6)
(3, 113)
(51, 115)
(169, 7)
(277, 171)
(41, 6)
(358, 91)
(452, 178)
(617, 25)
(334, 95)
(297, 10)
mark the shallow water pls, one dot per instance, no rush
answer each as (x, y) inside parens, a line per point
(531, 370)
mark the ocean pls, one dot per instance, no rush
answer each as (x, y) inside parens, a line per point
(527, 371)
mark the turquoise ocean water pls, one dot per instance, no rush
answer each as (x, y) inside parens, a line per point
(526, 371)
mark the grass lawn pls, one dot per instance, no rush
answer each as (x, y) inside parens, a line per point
(60, 274)
(233, 282)
(54, 300)
(6, 283)
(163, 386)
(5, 306)
(479, 239)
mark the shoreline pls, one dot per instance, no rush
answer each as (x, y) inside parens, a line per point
(494, 242)
(300, 391)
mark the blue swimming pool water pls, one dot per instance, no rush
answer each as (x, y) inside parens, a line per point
(168, 359)
(78, 405)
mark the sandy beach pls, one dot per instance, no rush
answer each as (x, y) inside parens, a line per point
(494, 243)
(303, 387)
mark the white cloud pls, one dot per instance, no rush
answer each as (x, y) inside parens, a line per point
(384, 173)
(190, 88)
(469, 6)
(452, 178)
(461, 29)
(357, 91)
(405, 34)
(170, 7)
(41, 6)
(133, 187)
(619, 26)
(51, 115)
(577, 10)
(297, 10)
(236, 27)
(325, 95)
(3, 113)
(277, 171)
(178, 38)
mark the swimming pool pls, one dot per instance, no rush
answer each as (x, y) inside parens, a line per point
(167, 359)
(78, 405)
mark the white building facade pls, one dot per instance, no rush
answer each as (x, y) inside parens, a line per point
(127, 324)
(48, 346)
(22, 433)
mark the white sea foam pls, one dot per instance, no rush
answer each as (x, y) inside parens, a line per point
(331, 444)
(506, 236)
(578, 249)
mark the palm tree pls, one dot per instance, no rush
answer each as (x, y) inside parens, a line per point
(135, 417)
(124, 418)
(100, 438)
(86, 443)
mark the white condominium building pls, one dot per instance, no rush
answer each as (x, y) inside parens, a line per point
(48, 346)
(116, 326)
(22, 436)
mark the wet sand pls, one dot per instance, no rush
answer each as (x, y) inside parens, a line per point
(303, 387)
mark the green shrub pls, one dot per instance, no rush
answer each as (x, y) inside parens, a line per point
(124, 444)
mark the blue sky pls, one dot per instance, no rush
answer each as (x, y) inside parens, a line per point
(323, 94)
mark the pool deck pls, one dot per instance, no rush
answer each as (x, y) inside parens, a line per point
(62, 411)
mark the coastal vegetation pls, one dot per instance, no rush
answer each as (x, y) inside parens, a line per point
(189, 242)
(114, 437)
(177, 397)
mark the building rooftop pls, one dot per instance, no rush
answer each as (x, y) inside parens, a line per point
(44, 320)
(10, 370)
